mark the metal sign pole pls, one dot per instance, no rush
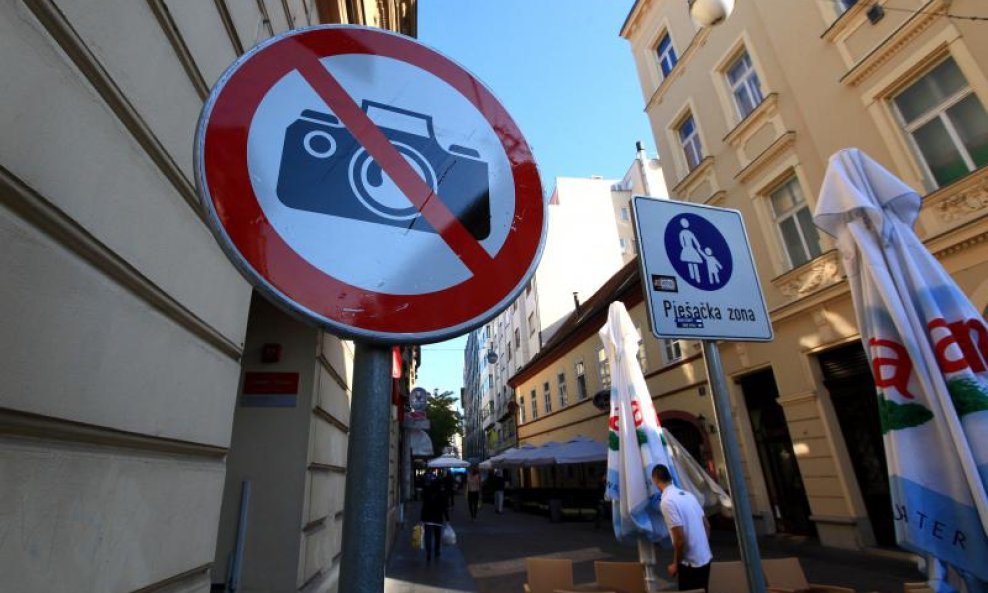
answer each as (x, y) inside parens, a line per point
(750, 556)
(365, 509)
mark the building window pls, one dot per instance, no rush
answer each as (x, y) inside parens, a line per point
(490, 380)
(581, 381)
(563, 399)
(625, 215)
(521, 408)
(490, 408)
(745, 87)
(603, 369)
(667, 55)
(531, 323)
(672, 349)
(795, 222)
(547, 396)
(509, 351)
(689, 138)
(642, 359)
(624, 244)
(946, 123)
(841, 6)
(535, 409)
(517, 338)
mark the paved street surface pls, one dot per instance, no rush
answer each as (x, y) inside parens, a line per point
(490, 555)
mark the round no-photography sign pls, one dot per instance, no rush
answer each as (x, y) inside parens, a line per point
(368, 183)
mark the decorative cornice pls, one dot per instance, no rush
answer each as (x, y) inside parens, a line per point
(812, 276)
(961, 199)
(699, 39)
(49, 219)
(901, 37)
(961, 245)
(748, 125)
(797, 306)
(760, 162)
(688, 183)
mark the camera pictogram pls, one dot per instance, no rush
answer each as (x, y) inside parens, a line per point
(325, 170)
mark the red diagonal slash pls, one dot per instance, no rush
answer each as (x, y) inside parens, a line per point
(418, 192)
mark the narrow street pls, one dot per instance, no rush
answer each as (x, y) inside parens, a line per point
(492, 551)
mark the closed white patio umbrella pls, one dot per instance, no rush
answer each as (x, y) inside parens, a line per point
(927, 345)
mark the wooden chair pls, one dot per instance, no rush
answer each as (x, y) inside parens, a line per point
(628, 577)
(785, 575)
(545, 575)
(727, 577)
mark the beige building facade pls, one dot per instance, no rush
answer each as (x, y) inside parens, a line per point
(128, 338)
(745, 115)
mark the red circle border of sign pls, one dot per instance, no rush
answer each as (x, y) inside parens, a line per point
(305, 288)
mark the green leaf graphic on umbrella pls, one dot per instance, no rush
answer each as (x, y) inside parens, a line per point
(968, 395)
(899, 416)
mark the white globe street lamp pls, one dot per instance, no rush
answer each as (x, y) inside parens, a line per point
(707, 13)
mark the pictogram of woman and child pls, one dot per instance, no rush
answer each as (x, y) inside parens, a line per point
(692, 253)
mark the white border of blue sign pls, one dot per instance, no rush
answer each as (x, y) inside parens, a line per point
(664, 268)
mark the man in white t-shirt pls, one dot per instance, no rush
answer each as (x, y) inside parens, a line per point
(690, 532)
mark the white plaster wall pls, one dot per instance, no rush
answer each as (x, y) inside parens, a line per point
(62, 140)
(582, 249)
(79, 346)
(75, 518)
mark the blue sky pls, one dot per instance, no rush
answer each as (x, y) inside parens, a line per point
(568, 79)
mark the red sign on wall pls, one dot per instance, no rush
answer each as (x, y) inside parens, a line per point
(273, 390)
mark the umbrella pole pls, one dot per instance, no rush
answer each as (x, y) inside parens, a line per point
(646, 556)
(750, 555)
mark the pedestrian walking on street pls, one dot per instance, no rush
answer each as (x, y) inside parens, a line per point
(498, 483)
(449, 487)
(473, 491)
(434, 514)
(689, 529)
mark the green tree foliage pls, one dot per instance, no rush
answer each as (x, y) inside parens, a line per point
(444, 420)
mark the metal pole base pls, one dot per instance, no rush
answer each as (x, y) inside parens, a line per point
(365, 510)
(750, 556)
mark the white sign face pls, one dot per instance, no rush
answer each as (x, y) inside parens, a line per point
(697, 271)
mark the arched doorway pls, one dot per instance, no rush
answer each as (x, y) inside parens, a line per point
(689, 436)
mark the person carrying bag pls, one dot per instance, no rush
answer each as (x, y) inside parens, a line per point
(435, 514)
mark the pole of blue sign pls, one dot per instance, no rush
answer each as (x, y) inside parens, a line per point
(750, 556)
(365, 509)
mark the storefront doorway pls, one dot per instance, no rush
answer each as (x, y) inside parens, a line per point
(847, 377)
(786, 492)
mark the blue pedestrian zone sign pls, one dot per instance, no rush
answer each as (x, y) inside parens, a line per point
(698, 273)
